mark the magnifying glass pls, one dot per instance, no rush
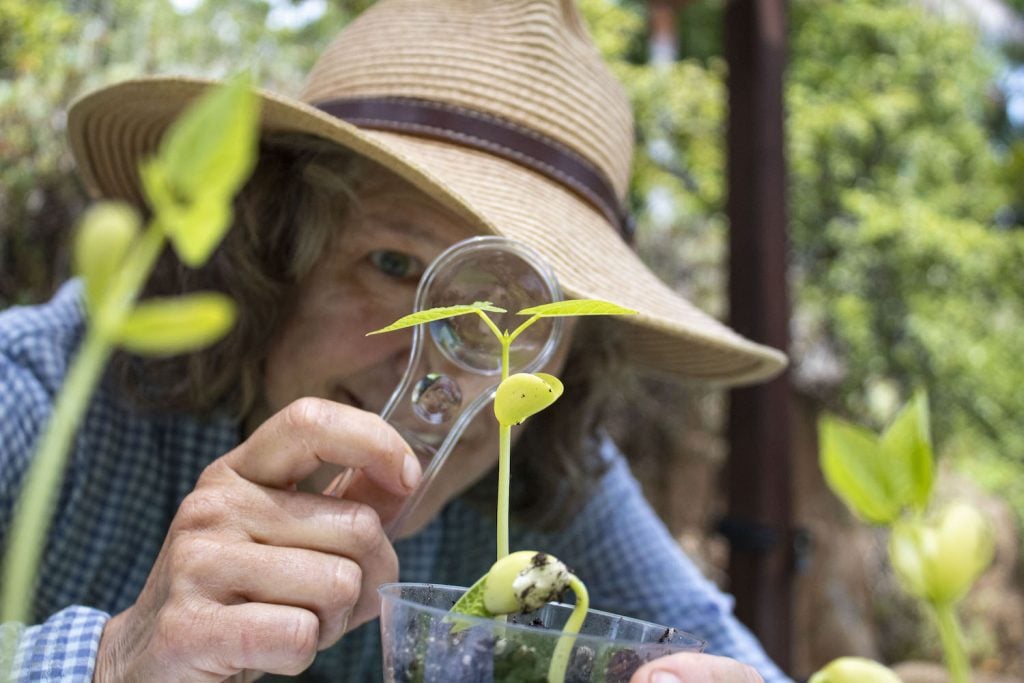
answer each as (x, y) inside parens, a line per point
(455, 364)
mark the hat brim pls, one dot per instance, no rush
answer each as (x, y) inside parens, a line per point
(112, 129)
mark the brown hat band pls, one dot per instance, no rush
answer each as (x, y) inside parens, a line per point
(488, 133)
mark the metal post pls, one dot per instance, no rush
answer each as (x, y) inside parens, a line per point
(758, 470)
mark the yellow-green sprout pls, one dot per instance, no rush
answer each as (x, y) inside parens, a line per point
(526, 580)
(524, 394)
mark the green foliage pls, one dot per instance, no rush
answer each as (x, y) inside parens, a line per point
(166, 327)
(472, 601)
(880, 477)
(575, 307)
(896, 191)
(903, 264)
(440, 313)
(30, 34)
(53, 51)
(888, 480)
(113, 280)
(204, 158)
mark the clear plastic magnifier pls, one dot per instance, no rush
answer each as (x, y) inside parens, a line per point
(455, 364)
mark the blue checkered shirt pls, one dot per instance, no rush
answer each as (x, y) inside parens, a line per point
(128, 473)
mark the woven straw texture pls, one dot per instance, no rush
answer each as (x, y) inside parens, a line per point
(527, 62)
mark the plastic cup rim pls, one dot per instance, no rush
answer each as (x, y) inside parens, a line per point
(388, 591)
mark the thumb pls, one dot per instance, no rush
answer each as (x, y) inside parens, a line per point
(693, 667)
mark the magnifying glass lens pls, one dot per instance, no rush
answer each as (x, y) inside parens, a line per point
(436, 398)
(506, 279)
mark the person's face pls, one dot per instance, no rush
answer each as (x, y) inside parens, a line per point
(366, 280)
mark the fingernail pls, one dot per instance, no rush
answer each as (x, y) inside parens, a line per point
(665, 677)
(411, 472)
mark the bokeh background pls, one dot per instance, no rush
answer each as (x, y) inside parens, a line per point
(904, 144)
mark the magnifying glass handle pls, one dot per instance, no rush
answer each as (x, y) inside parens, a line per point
(426, 454)
(341, 482)
(436, 457)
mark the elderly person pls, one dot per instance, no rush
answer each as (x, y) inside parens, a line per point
(193, 540)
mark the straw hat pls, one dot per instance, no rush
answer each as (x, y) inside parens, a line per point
(503, 111)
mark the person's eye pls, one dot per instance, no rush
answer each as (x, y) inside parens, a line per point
(396, 264)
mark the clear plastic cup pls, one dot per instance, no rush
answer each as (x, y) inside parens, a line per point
(423, 643)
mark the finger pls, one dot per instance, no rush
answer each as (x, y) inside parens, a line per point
(293, 443)
(326, 585)
(693, 667)
(339, 527)
(277, 639)
(365, 491)
(297, 519)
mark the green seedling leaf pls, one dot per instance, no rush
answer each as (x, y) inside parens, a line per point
(906, 451)
(471, 604)
(164, 327)
(106, 234)
(523, 394)
(850, 460)
(203, 160)
(194, 228)
(575, 307)
(472, 601)
(432, 314)
(211, 148)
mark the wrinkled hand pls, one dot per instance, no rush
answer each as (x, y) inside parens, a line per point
(690, 667)
(256, 576)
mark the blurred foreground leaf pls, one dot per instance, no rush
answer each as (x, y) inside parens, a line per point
(170, 326)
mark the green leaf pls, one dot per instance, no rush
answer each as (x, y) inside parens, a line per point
(194, 228)
(107, 232)
(211, 148)
(906, 451)
(204, 159)
(577, 307)
(167, 326)
(432, 314)
(852, 467)
(472, 601)
(471, 604)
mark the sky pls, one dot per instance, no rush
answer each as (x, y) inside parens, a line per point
(283, 13)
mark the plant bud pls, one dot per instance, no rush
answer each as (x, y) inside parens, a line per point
(939, 562)
(523, 582)
(521, 395)
(854, 670)
(103, 239)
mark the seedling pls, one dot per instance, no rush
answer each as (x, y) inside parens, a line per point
(203, 160)
(888, 480)
(522, 581)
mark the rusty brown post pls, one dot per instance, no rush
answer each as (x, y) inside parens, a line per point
(758, 471)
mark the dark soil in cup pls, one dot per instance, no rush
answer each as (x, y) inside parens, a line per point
(478, 656)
